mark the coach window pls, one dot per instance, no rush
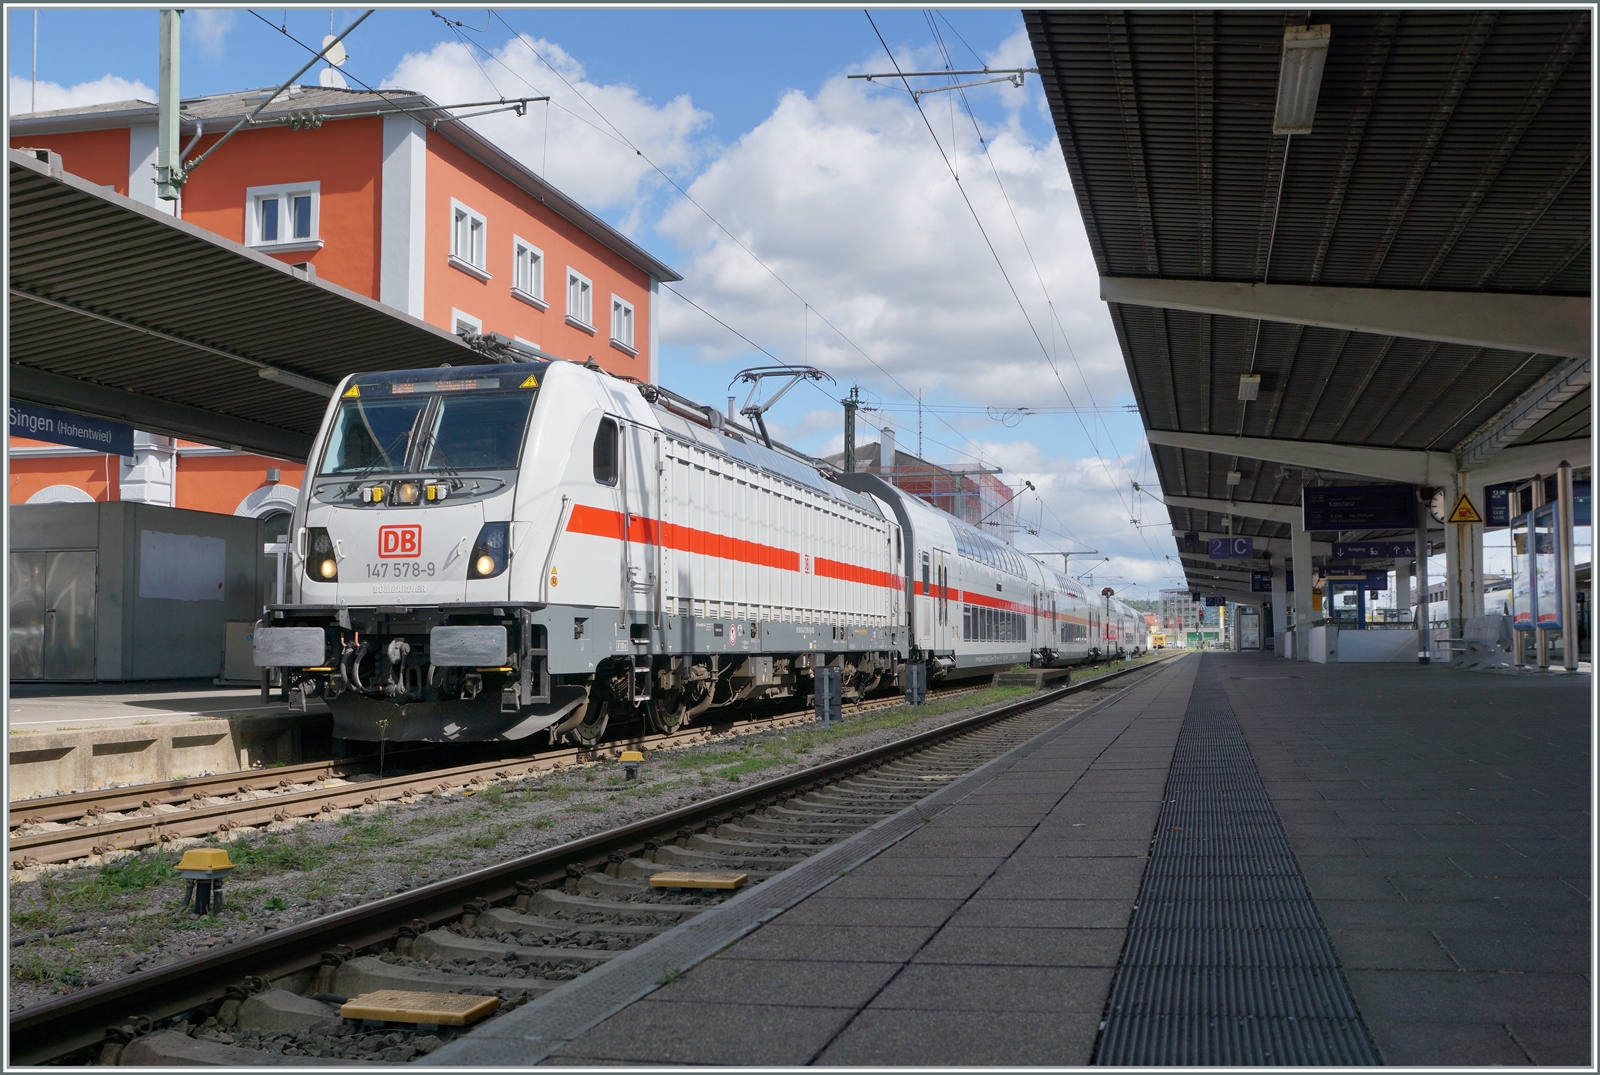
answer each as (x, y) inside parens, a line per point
(605, 452)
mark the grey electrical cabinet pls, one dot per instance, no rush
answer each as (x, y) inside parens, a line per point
(125, 591)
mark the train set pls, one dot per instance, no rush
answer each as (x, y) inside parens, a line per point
(489, 552)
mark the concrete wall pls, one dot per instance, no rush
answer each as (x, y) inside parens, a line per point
(1377, 647)
(150, 637)
(52, 763)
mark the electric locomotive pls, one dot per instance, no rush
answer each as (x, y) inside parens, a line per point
(497, 551)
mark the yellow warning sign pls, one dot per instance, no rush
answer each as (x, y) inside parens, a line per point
(1464, 512)
(531, 382)
(353, 392)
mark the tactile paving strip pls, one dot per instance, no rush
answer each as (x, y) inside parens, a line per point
(1227, 962)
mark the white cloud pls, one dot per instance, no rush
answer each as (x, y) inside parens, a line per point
(53, 95)
(208, 29)
(566, 140)
(845, 196)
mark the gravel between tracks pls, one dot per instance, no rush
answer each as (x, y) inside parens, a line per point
(123, 914)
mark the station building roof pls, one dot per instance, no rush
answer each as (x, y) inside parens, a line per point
(1411, 274)
(120, 311)
(219, 112)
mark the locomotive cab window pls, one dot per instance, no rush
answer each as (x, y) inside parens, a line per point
(605, 452)
(449, 426)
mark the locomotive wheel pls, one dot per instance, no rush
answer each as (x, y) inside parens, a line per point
(593, 726)
(666, 711)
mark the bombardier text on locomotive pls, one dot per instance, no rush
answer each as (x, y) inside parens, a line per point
(489, 552)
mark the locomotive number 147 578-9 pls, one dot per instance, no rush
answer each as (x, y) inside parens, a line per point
(400, 569)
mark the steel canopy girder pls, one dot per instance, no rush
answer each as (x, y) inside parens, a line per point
(1526, 460)
(1273, 513)
(157, 415)
(1387, 464)
(1542, 324)
(1273, 545)
(1202, 564)
(1526, 413)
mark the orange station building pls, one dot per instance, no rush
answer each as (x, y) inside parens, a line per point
(383, 194)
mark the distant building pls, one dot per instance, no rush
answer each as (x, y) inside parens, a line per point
(427, 217)
(974, 495)
(1180, 614)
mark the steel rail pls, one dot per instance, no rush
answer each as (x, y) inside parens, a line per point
(61, 1027)
(132, 833)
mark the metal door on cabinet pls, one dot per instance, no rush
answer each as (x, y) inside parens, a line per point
(69, 608)
(26, 578)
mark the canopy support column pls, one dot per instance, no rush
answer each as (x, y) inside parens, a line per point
(1304, 576)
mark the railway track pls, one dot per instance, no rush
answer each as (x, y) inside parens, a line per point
(521, 928)
(67, 827)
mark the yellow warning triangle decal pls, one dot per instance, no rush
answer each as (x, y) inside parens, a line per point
(353, 392)
(1464, 512)
(531, 382)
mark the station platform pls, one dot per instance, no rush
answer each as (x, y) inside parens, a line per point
(39, 707)
(1234, 861)
(79, 737)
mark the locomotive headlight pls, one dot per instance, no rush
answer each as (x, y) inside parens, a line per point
(436, 492)
(373, 494)
(491, 552)
(408, 492)
(322, 557)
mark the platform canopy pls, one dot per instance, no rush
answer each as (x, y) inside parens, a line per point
(1395, 239)
(120, 311)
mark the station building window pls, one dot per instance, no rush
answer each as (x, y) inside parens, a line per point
(580, 301)
(527, 276)
(468, 240)
(461, 322)
(622, 325)
(285, 217)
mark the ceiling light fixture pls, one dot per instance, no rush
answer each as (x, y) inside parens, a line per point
(1305, 50)
(1249, 385)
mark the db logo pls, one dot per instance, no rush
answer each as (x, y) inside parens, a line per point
(399, 542)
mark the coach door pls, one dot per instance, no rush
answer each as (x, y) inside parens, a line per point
(641, 510)
(942, 638)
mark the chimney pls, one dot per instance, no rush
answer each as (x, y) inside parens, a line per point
(886, 448)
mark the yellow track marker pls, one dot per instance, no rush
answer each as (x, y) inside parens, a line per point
(403, 1006)
(724, 879)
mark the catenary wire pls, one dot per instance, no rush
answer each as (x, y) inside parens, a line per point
(999, 263)
(719, 225)
(1022, 235)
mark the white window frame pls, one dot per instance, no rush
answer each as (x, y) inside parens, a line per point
(623, 340)
(283, 193)
(459, 316)
(475, 261)
(582, 318)
(533, 295)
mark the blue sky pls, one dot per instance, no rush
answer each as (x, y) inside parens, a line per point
(842, 188)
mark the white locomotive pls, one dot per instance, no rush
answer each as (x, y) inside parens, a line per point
(487, 552)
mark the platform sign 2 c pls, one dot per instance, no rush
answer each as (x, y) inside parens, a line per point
(62, 427)
(1358, 507)
(1230, 548)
